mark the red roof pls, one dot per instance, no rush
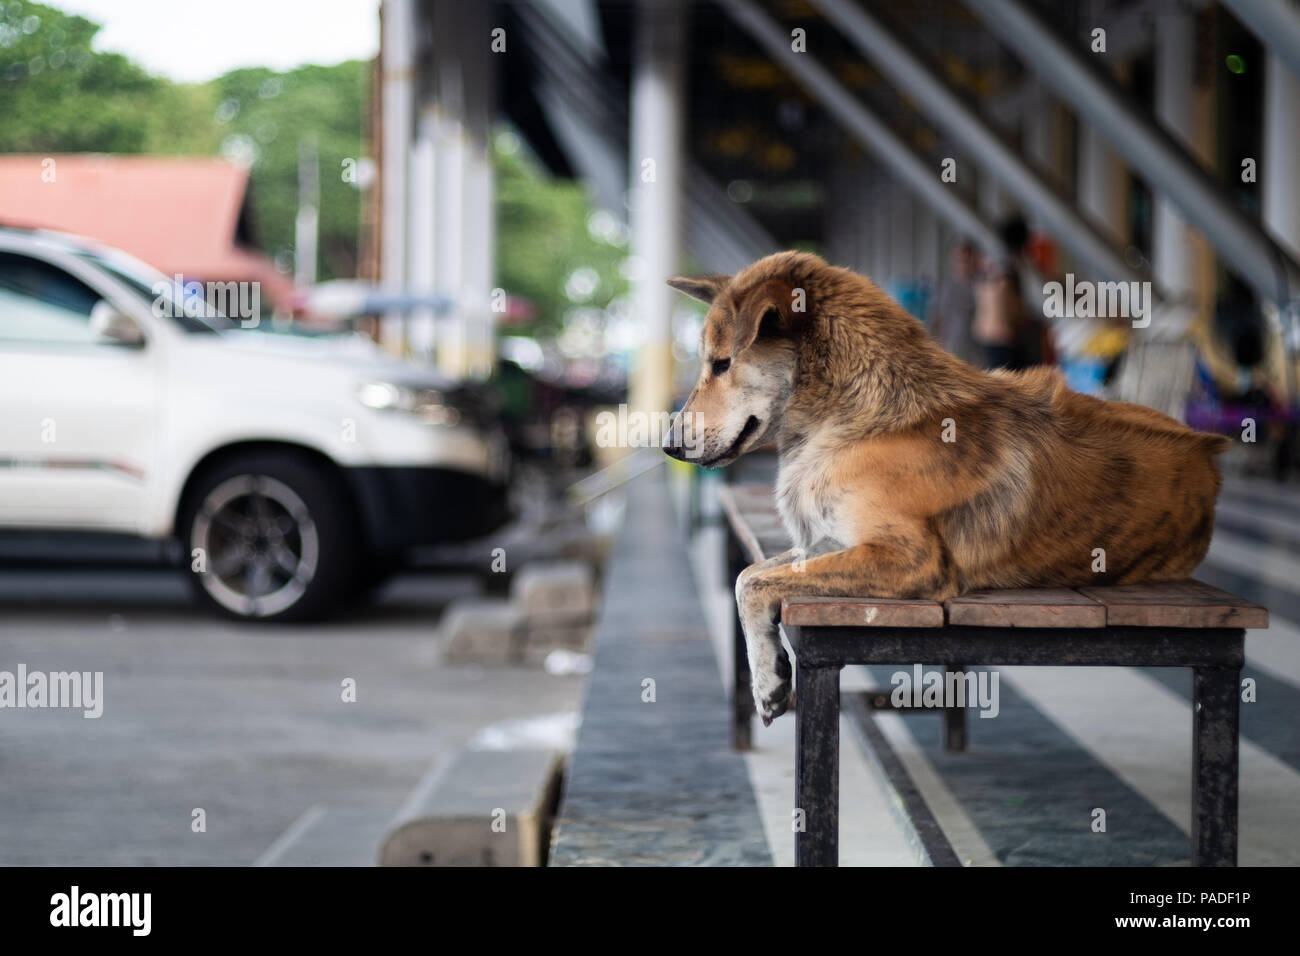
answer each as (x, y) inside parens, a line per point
(179, 214)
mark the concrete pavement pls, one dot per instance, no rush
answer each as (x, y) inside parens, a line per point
(246, 723)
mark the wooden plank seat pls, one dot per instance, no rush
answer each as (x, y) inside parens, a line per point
(1167, 624)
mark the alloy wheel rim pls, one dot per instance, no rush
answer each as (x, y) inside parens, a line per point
(259, 544)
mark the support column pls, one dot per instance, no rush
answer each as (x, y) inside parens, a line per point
(1045, 134)
(480, 213)
(1103, 199)
(422, 278)
(450, 40)
(1172, 261)
(465, 260)
(654, 181)
(397, 67)
(990, 199)
(1279, 167)
(1103, 184)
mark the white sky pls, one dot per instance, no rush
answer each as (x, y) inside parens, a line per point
(195, 40)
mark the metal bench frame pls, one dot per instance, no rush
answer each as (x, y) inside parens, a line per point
(1215, 655)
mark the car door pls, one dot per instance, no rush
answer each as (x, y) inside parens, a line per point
(78, 412)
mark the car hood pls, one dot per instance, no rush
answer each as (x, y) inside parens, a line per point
(352, 353)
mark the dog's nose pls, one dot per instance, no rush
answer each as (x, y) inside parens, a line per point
(673, 444)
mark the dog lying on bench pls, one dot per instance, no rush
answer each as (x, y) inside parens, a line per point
(905, 472)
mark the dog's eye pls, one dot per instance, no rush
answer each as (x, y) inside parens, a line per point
(721, 365)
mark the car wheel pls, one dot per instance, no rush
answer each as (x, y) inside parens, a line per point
(270, 538)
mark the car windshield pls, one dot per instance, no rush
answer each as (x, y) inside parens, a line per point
(165, 296)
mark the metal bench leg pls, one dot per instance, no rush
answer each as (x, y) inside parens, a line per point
(742, 695)
(817, 765)
(954, 718)
(1215, 717)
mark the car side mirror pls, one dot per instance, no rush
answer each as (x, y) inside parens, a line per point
(108, 322)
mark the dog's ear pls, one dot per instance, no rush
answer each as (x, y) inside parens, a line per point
(773, 310)
(704, 288)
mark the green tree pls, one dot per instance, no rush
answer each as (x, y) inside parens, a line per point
(542, 238)
(59, 95)
(265, 116)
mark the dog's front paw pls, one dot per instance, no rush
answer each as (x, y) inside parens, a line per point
(772, 696)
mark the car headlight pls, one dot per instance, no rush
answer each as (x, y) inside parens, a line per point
(428, 404)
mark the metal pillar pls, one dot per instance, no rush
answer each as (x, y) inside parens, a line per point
(910, 75)
(477, 351)
(451, 39)
(1103, 198)
(423, 211)
(1103, 184)
(306, 227)
(1279, 167)
(480, 259)
(1171, 251)
(1168, 167)
(397, 66)
(655, 194)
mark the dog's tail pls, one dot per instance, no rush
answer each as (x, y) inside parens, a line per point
(1213, 444)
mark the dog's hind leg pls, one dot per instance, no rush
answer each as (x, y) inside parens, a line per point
(907, 565)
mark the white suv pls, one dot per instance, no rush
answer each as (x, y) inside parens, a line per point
(292, 469)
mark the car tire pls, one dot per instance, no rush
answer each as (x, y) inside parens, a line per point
(372, 576)
(270, 537)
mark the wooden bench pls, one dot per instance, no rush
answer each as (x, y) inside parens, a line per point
(1179, 624)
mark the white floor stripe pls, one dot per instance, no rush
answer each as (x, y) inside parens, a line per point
(1260, 519)
(1254, 560)
(1260, 490)
(1276, 648)
(308, 819)
(1142, 732)
(869, 835)
(960, 830)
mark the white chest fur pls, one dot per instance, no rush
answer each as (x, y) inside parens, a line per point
(804, 498)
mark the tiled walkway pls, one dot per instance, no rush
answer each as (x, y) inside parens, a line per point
(653, 780)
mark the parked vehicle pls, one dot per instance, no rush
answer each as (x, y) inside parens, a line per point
(293, 470)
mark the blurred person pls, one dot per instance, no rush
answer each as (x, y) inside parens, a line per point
(953, 309)
(1005, 329)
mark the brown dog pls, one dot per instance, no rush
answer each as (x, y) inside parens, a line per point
(905, 472)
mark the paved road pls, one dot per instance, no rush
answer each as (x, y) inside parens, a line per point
(247, 723)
